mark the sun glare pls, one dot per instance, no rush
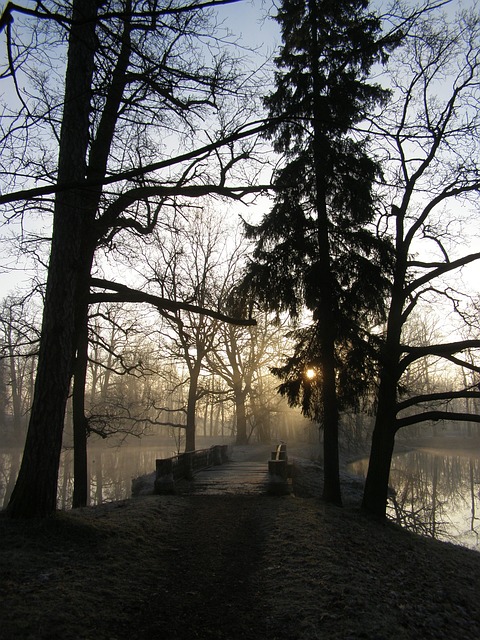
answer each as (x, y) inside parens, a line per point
(310, 373)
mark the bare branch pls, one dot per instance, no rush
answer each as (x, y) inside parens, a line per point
(435, 416)
(125, 294)
(440, 350)
(436, 397)
(242, 132)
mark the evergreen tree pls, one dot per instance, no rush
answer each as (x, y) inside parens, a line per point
(316, 248)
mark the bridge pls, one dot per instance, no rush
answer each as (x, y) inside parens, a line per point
(224, 470)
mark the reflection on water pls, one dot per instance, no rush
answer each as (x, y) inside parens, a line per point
(436, 493)
(111, 470)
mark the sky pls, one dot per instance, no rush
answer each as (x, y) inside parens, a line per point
(247, 19)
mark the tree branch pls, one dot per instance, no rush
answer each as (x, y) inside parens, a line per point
(435, 397)
(440, 270)
(440, 350)
(192, 191)
(125, 294)
(242, 132)
(436, 416)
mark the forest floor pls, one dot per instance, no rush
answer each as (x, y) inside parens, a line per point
(233, 567)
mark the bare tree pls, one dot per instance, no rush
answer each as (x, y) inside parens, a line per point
(429, 141)
(242, 358)
(132, 71)
(18, 349)
(195, 264)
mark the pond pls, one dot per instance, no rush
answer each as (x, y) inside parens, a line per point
(436, 492)
(110, 468)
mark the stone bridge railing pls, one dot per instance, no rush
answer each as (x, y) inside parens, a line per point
(279, 471)
(184, 465)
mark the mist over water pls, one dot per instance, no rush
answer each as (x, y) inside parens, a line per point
(110, 469)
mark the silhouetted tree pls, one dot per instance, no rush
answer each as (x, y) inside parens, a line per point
(19, 335)
(316, 248)
(428, 141)
(132, 68)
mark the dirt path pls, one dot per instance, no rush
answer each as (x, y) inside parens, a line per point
(210, 586)
(265, 568)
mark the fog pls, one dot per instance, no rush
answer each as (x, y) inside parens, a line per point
(110, 468)
(436, 490)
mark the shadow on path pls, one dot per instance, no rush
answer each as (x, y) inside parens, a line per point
(209, 586)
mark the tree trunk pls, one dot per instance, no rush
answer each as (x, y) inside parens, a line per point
(331, 466)
(14, 389)
(191, 408)
(241, 416)
(376, 484)
(35, 492)
(325, 311)
(383, 437)
(80, 470)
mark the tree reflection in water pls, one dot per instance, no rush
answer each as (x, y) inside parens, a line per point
(111, 470)
(435, 493)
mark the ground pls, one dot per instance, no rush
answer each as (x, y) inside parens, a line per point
(228, 567)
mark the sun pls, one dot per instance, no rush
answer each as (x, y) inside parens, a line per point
(310, 373)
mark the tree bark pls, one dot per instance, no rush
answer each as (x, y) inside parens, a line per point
(190, 429)
(241, 415)
(80, 466)
(383, 437)
(376, 483)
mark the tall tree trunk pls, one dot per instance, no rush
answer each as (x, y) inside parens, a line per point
(35, 492)
(191, 408)
(376, 484)
(325, 311)
(383, 437)
(14, 389)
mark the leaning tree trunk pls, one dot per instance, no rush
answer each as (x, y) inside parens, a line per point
(35, 492)
(383, 437)
(376, 484)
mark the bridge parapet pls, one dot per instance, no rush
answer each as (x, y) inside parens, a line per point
(279, 471)
(184, 466)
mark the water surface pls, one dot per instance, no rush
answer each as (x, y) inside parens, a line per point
(436, 492)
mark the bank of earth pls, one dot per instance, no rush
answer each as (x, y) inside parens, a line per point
(228, 567)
